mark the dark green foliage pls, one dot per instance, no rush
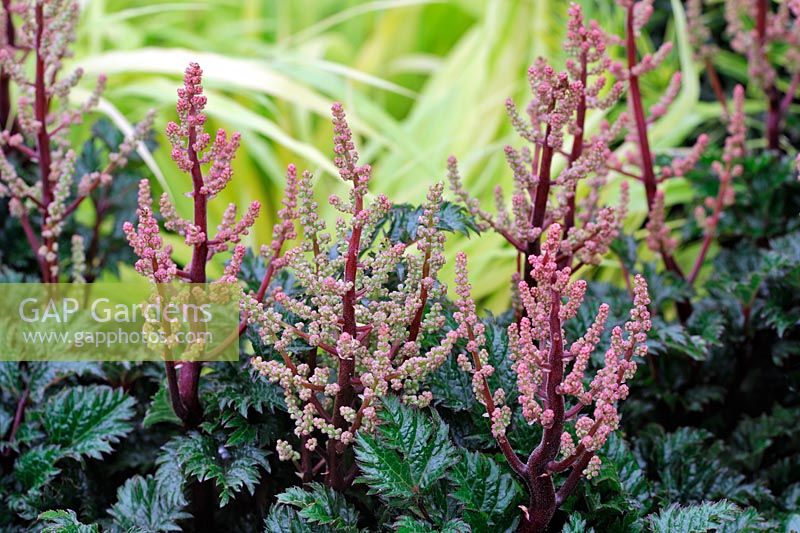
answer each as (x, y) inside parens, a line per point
(76, 424)
(86, 421)
(767, 197)
(64, 522)
(426, 482)
(206, 457)
(407, 458)
(284, 519)
(696, 518)
(487, 492)
(401, 223)
(320, 505)
(148, 504)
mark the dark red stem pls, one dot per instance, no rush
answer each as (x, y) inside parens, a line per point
(540, 201)
(5, 79)
(577, 144)
(648, 174)
(684, 307)
(774, 97)
(543, 505)
(41, 109)
(344, 397)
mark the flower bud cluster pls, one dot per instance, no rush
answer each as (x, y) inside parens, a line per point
(189, 141)
(556, 115)
(541, 360)
(40, 132)
(781, 28)
(360, 309)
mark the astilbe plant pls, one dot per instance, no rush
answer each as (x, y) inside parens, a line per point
(38, 135)
(208, 163)
(541, 357)
(726, 170)
(699, 36)
(757, 31)
(544, 195)
(575, 235)
(639, 162)
(351, 333)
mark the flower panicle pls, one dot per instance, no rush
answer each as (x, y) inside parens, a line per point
(155, 261)
(357, 325)
(541, 361)
(40, 130)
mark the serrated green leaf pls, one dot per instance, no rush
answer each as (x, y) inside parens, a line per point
(407, 524)
(37, 466)
(408, 454)
(232, 468)
(284, 519)
(576, 524)
(321, 505)
(383, 469)
(698, 518)
(242, 389)
(87, 421)
(145, 504)
(160, 409)
(64, 521)
(688, 467)
(486, 491)
(402, 222)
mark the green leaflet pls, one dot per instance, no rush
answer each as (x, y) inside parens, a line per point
(64, 521)
(407, 456)
(148, 504)
(203, 457)
(321, 505)
(698, 518)
(87, 421)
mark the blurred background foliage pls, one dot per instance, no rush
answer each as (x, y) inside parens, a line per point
(420, 79)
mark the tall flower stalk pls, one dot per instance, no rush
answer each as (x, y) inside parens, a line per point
(755, 27)
(555, 133)
(351, 333)
(37, 163)
(209, 164)
(552, 393)
(37, 129)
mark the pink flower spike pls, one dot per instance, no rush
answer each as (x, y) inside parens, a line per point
(154, 257)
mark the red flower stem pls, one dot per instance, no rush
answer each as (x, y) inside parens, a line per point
(684, 308)
(5, 79)
(344, 397)
(19, 414)
(648, 174)
(774, 97)
(711, 229)
(41, 108)
(511, 457)
(790, 93)
(543, 503)
(34, 242)
(413, 331)
(577, 144)
(573, 478)
(716, 84)
(540, 200)
(188, 379)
